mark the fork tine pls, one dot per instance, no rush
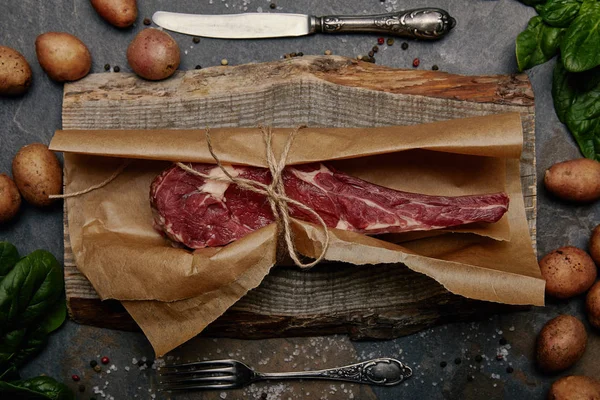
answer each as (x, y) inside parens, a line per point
(202, 387)
(200, 379)
(228, 370)
(201, 364)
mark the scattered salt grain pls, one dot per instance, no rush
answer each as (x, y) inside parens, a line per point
(134, 360)
(127, 368)
(223, 395)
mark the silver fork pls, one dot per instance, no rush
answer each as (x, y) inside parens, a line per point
(232, 374)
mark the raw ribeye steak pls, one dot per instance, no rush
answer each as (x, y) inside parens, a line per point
(201, 213)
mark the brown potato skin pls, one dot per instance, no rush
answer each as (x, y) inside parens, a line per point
(568, 271)
(560, 343)
(63, 56)
(574, 180)
(575, 387)
(595, 245)
(153, 54)
(15, 72)
(592, 305)
(10, 199)
(37, 173)
(120, 13)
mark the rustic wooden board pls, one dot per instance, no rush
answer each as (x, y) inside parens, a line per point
(366, 302)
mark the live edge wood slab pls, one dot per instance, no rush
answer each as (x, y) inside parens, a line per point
(384, 301)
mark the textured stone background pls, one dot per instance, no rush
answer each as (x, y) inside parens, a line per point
(482, 43)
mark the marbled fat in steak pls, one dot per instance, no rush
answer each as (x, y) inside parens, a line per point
(202, 213)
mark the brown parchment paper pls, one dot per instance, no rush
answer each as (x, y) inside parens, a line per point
(173, 293)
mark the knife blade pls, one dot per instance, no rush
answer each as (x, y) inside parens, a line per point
(422, 23)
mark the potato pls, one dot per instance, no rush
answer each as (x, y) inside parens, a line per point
(153, 54)
(574, 180)
(120, 13)
(592, 305)
(595, 245)
(575, 387)
(15, 72)
(10, 199)
(37, 173)
(561, 343)
(63, 56)
(568, 271)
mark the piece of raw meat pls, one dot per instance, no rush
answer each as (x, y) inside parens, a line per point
(204, 213)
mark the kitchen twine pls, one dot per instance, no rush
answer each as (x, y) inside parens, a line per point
(275, 192)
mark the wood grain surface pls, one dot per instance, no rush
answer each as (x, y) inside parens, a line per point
(382, 301)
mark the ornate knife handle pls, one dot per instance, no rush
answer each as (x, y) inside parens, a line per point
(422, 23)
(380, 371)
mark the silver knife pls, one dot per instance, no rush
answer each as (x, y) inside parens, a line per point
(422, 23)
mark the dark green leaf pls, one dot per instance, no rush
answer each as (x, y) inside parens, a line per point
(8, 258)
(559, 13)
(537, 43)
(10, 374)
(55, 317)
(577, 104)
(40, 388)
(32, 344)
(580, 48)
(10, 343)
(563, 91)
(30, 290)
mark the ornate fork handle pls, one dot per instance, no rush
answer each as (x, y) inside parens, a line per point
(381, 371)
(422, 23)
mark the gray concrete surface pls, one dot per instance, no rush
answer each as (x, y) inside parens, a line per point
(482, 43)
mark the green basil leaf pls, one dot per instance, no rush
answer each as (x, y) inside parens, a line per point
(8, 258)
(40, 388)
(30, 290)
(559, 13)
(580, 47)
(537, 43)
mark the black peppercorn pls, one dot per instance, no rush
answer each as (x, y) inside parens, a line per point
(301, 54)
(93, 363)
(390, 42)
(198, 66)
(404, 46)
(457, 361)
(435, 67)
(470, 378)
(273, 6)
(82, 388)
(510, 369)
(478, 358)
(443, 364)
(196, 39)
(117, 69)
(503, 342)
(147, 21)
(371, 53)
(106, 67)
(375, 49)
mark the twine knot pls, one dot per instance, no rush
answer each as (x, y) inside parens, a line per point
(274, 192)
